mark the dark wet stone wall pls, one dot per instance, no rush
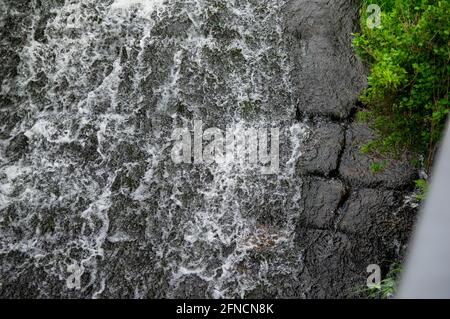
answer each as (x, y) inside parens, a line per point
(352, 216)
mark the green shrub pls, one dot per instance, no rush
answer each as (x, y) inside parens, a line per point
(407, 96)
(387, 288)
(422, 186)
(378, 166)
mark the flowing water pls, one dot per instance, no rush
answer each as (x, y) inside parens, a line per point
(100, 87)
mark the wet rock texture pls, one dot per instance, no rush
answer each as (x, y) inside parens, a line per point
(329, 75)
(90, 183)
(355, 166)
(352, 217)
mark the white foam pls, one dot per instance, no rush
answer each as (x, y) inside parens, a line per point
(147, 5)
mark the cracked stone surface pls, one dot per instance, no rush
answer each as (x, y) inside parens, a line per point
(321, 199)
(356, 167)
(333, 262)
(328, 74)
(375, 213)
(320, 153)
(345, 225)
